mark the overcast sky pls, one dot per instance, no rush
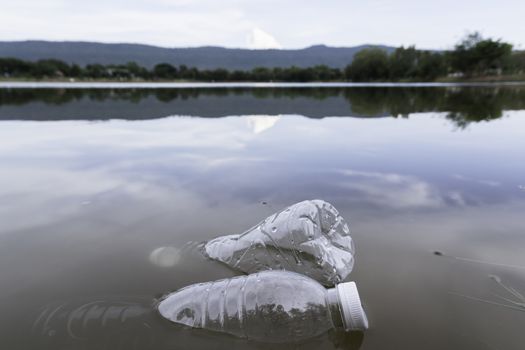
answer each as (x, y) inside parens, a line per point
(263, 23)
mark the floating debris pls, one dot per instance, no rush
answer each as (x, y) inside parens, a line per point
(477, 261)
(309, 237)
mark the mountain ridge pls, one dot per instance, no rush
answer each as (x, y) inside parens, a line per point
(202, 57)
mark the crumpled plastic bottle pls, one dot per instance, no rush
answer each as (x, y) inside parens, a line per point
(269, 306)
(309, 237)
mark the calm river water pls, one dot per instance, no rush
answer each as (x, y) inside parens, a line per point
(106, 193)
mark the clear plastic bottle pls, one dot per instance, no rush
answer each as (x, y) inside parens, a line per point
(309, 237)
(270, 306)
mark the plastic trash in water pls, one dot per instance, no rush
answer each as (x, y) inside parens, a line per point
(270, 306)
(309, 237)
(132, 323)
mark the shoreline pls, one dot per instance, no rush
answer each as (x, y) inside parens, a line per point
(17, 84)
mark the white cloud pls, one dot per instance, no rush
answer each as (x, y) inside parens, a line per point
(259, 39)
(226, 23)
(490, 183)
(392, 190)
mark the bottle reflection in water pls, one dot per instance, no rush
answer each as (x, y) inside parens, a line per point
(100, 324)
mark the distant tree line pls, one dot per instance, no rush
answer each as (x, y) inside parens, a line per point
(56, 69)
(473, 56)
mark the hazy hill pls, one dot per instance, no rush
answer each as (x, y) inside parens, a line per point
(84, 53)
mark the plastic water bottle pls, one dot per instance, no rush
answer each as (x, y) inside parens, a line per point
(270, 306)
(309, 237)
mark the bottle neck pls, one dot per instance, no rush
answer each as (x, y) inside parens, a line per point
(332, 300)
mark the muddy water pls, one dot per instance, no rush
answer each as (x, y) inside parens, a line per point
(106, 194)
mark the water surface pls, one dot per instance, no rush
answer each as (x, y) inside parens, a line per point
(106, 193)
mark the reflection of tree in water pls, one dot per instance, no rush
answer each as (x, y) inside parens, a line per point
(19, 97)
(482, 105)
(463, 104)
(311, 321)
(375, 102)
(274, 320)
(64, 96)
(96, 324)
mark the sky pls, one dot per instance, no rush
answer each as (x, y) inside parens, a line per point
(259, 24)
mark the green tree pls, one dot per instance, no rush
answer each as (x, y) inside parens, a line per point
(368, 65)
(96, 71)
(75, 71)
(12, 67)
(517, 62)
(50, 68)
(475, 55)
(136, 71)
(325, 73)
(188, 73)
(431, 65)
(165, 71)
(240, 75)
(402, 63)
(219, 74)
(262, 74)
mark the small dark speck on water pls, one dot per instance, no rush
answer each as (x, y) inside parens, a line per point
(438, 253)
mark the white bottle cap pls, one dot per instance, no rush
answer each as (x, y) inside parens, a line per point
(354, 316)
